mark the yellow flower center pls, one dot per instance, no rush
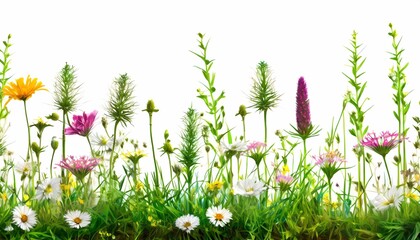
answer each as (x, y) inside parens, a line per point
(218, 216)
(48, 189)
(187, 225)
(23, 218)
(251, 189)
(77, 220)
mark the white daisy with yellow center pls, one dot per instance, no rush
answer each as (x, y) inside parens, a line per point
(24, 217)
(77, 219)
(187, 222)
(219, 216)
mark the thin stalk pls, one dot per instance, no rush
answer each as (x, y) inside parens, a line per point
(63, 147)
(90, 146)
(51, 163)
(387, 171)
(153, 152)
(265, 141)
(111, 159)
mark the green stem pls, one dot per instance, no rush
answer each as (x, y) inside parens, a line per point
(153, 152)
(63, 147)
(387, 171)
(111, 159)
(51, 163)
(265, 141)
(90, 146)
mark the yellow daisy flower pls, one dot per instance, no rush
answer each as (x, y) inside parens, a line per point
(22, 90)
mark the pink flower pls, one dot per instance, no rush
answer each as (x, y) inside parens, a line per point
(79, 167)
(383, 143)
(329, 158)
(82, 124)
(284, 179)
(255, 146)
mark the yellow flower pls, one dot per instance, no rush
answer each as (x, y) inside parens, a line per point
(26, 198)
(214, 186)
(22, 90)
(4, 196)
(139, 186)
(413, 196)
(81, 201)
(134, 156)
(285, 170)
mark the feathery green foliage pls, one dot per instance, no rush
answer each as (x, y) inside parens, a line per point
(263, 95)
(121, 105)
(66, 94)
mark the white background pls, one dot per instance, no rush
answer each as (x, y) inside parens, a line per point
(151, 41)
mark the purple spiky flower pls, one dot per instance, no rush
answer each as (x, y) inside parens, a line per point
(303, 114)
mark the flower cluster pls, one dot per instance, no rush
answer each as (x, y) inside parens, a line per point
(79, 166)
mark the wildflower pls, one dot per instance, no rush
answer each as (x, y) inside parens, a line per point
(328, 163)
(249, 187)
(255, 151)
(391, 198)
(218, 216)
(214, 186)
(139, 186)
(285, 169)
(49, 189)
(135, 156)
(413, 196)
(383, 143)
(233, 149)
(79, 167)
(77, 219)
(82, 124)
(187, 222)
(284, 181)
(303, 113)
(24, 217)
(21, 90)
(24, 168)
(102, 142)
(4, 196)
(329, 203)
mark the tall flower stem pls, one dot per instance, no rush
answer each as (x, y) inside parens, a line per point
(63, 147)
(29, 155)
(90, 146)
(156, 179)
(387, 171)
(111, 158)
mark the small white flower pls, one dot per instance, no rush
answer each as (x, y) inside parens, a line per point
(249, 187)
(24, 217)
(234, 148)
(391, 198)
(49, 189)
(8, 228)
(187, 223)
(23, 167)
(77, 219)
(219, 216)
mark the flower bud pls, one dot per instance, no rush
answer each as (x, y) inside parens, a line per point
(54, 143)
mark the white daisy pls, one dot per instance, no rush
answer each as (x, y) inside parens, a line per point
(391, 198)
(219, 216)
(24, 217)
(23, 167)
(77, 219)
(187, 222)
(232, 149)
(49, 189)
(249, 187)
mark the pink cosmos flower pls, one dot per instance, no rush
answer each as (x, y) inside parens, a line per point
(286, 179)
(79, 167)
(381, 144)
(255, 146)
(82, 124)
